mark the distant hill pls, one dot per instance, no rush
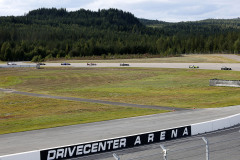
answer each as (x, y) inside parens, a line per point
(228, 22)
(205, 27)
(112, 18)
(149, 22)
(49, 33)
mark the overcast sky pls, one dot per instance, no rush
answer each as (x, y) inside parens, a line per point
(166, 10)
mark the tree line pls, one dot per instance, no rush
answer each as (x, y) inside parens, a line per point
(44, 34)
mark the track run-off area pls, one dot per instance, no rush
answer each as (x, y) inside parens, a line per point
(91, 100)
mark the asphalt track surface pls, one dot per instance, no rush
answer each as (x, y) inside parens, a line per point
(209, 66)
(75, 134)
(223, 144)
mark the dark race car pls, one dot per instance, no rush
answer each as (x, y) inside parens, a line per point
(124, 64)
(65, 64)
(91, 64)
(226, 68)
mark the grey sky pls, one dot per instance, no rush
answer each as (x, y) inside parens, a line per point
(166, 10)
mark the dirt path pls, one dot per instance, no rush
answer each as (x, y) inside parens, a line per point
(92, 100)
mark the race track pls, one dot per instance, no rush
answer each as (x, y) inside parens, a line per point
(209, 66)
(223, 144)
(60, 136)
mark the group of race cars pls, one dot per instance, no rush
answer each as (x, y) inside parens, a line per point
(126, 64)
(121, 64)
(223, 68)
(66, 64)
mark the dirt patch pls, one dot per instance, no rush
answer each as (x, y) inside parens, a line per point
(7, 117)
(231, 56)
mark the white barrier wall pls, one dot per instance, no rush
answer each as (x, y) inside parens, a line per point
(33, 155)
(215, 124)
(235, 120)
(198, 128)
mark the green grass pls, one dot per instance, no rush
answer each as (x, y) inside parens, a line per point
(184, 88)
(22, 113)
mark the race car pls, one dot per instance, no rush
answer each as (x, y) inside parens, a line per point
(193, 66)
(11, 63)
(65, 63)
(91, 64)
(226, 68)
(41, 63)
(124, 64)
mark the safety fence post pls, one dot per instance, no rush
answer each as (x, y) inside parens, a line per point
(116, 156)
(164, 152)
(207, 147)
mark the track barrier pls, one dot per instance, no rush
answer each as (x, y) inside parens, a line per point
(79, 150)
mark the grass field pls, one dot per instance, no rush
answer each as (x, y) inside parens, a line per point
(22, 113)
(193, 58)
(183, 88)
(164, 87)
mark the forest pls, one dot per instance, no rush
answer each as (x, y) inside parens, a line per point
(49, 33)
